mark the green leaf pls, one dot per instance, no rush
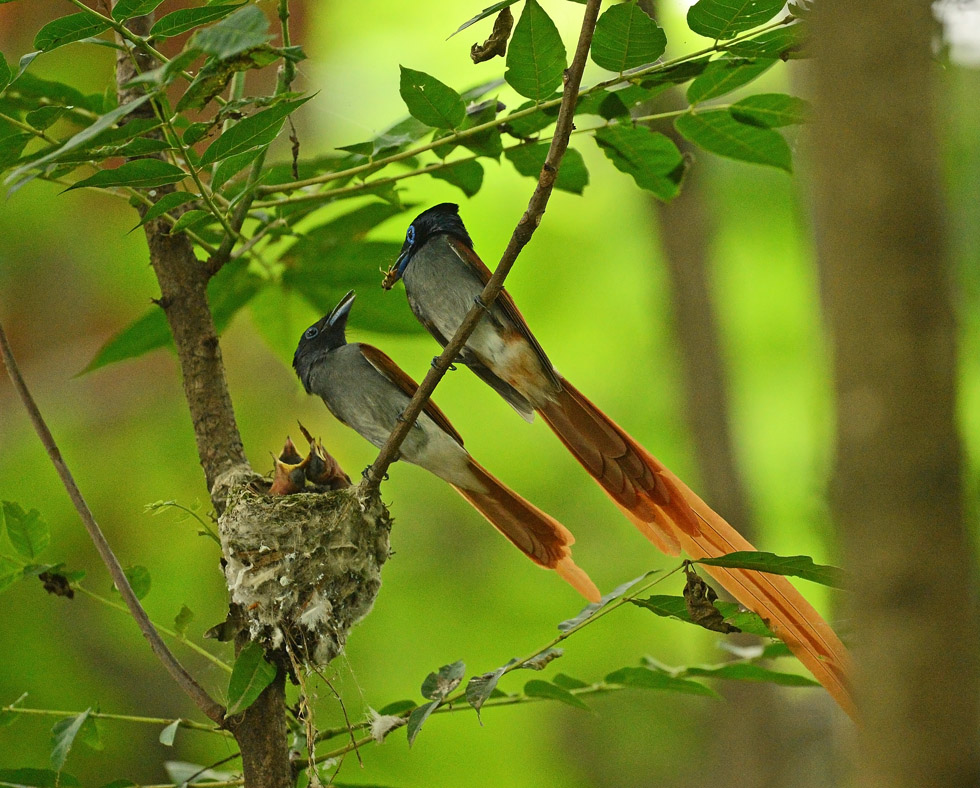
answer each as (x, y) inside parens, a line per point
(252, 132)
(718, 132)
(10, 572)
(43, 117)
(4, 73)
(216, 73)
(104, 122)
(725, 75)
(8, 718)
(644, 678)
(417, 719)
(536, 55)
(168, 734)
(593, 607)
(37, 778)
(743, 671)
(67, 29)
(177, 22)
(545, 689)
(479, 688)
(465, 175)
(490, 11)
(139, 580)
(625, 37)
(438, 685)
(182, 620)
(649, 157)
(190, 220)
(165, 204)
(771, 109)
(63, 736)
(795, 565)
(250, 675)
(529, 159)
(246, 28)
(568, 682)
(397, 707)
(91, 734)
(676, 607)
(27, 531)
(784, 42)
(127, 9)
(140, 174)
(430, 101)
(724, 19)
(228, 291)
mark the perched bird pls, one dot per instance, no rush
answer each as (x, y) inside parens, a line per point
(368, 392)
(323, 469)
(290, 470)
(443, 277)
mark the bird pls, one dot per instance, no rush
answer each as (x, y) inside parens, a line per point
(443, 277)
(323, 469)
(290, 470)
(365, 390)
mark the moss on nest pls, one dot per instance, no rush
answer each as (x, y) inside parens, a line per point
(304, 568)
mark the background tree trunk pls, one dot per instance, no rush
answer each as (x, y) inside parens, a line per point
(897, 496)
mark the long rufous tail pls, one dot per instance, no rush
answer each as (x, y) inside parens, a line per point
(673, 517)
(540, 537)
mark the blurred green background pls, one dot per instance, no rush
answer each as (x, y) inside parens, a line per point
(594, 289)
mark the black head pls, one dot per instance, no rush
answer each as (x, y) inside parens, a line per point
(442, 219)
(327, 334)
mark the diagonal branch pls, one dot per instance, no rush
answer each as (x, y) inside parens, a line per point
(522, 234)
(185, 681)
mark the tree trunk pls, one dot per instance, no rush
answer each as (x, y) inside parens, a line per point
(260, 730)
(897, 492)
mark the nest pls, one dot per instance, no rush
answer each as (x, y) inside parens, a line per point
(301, 569)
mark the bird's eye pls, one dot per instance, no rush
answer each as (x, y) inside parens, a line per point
(410, 235)
(311, 332)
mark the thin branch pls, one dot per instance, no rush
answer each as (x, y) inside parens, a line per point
(101, 715)
(522, 234)
(445, 164)
(160, 628)
(185, 681)
(462, 134)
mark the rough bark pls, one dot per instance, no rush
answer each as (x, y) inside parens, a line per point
(261, 729)
(897, 493)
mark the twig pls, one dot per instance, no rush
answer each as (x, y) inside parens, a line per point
(372, 166)
(160, 628)
(185, 681)
(522, 234)
(101, 715)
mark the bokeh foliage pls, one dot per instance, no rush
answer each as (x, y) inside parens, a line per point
(593, 292)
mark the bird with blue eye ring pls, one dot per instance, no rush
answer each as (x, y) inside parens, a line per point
(443, 278)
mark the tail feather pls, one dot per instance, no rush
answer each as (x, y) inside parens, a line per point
(672, 516)
(790, 617)
(540, 537)
(630, 476)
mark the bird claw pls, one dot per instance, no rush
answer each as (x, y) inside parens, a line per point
(480, 303)
(450, 368)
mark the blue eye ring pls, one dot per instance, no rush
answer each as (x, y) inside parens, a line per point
(410, 234)
(311, 332)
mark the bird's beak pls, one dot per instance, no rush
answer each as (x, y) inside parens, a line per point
(340, 312)
(394, 273)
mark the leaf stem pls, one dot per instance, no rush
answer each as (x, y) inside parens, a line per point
(499, 121)
(165, 630)
(189, 724)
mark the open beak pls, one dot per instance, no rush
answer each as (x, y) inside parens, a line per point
(340, 312)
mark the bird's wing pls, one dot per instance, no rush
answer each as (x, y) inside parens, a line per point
(472, 260)
(394, 373)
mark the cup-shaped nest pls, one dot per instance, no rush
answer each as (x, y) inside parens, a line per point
(302, 569)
